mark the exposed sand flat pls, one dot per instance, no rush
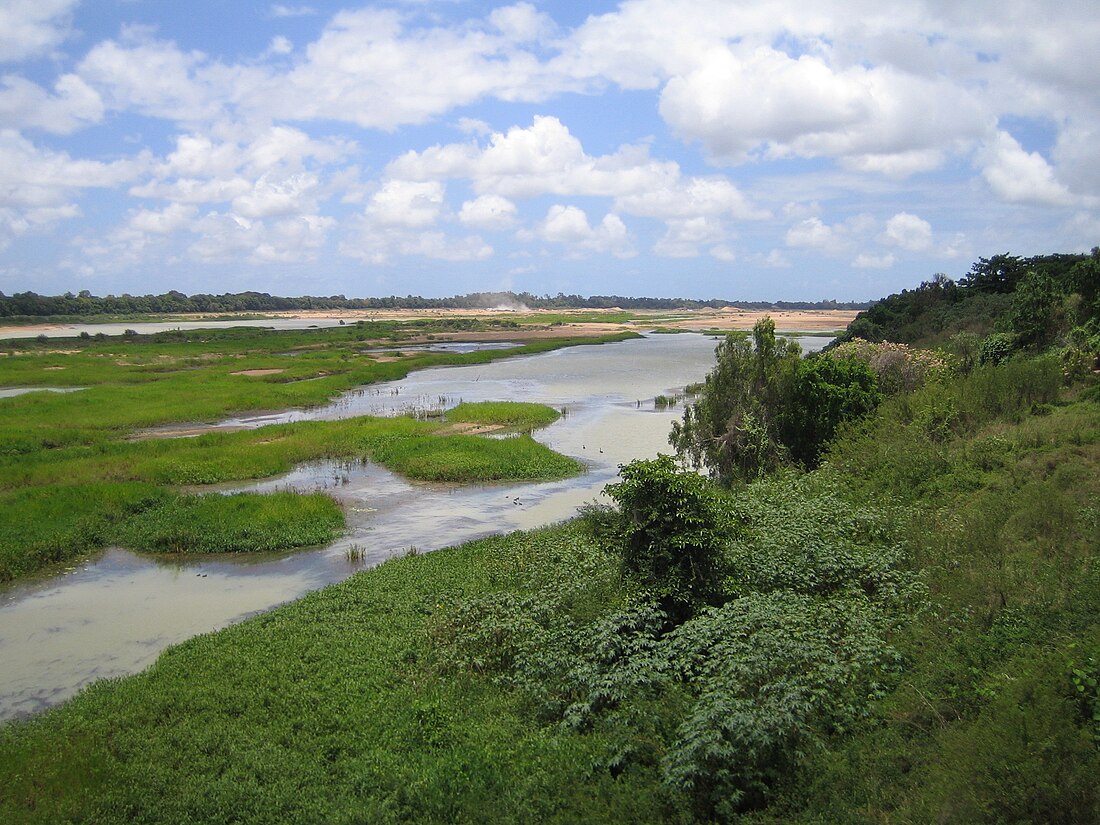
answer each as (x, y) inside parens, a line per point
(811, 320)
(807, 320)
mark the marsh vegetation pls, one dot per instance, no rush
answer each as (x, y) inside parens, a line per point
(79, 471)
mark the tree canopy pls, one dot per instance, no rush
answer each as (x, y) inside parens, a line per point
(764, 405)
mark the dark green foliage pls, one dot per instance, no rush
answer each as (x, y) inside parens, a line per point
(1038, 314)
(826, 393)
(773, 675)
(1084, 676)
(1084, 280)
(733, 428)
(671, 531)
(996, 348)
(723, 703)
(928, 314)
(1003, 273)
(988, 724)
(804, 534)
(938, 309)
(763, 405)
(998, 274)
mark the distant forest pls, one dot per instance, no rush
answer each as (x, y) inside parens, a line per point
(29, 305)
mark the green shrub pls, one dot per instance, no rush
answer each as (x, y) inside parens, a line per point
(672, 531)
(996, 348)
(827, 392)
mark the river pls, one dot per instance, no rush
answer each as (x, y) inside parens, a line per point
(113, 613)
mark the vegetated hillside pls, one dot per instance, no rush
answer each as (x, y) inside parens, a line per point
(906, 631)
(980, 303)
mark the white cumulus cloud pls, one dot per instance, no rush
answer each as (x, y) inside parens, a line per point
(408, 204)
(568, 225)
(909, 232)
(31, 27)
(1020, 176)
(488, 212)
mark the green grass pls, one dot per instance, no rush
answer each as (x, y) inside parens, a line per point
(902, 640)
(999, 512)
(66, 497)
(465, 458)
(508, 680)
(44, 526)
(241, 523)
(517, 414)
(164, 378)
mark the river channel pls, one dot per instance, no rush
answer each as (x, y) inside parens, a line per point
(113, 614)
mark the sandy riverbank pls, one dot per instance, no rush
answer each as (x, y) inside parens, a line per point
(587, 323)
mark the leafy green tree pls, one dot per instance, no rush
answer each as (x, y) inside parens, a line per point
(733, 427)
(1084, 279)
(671, 531)
(1038, 311)
(827, 392)
(1000, 273)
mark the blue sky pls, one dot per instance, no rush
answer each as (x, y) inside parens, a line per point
(747, 150)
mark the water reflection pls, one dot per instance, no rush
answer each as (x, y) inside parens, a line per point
(11, 392)
(113, 614)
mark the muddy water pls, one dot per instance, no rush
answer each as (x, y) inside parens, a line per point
(113, 614)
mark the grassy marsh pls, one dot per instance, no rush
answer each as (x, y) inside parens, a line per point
(70, 476)
(515, 414)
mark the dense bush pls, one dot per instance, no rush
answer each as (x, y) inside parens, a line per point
(763, 405)
(827, 392)
(896, 367)
(723, 703)
(671, 531)
(940, 308)
(732, 428)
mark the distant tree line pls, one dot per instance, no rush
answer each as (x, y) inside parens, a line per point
(84, 304)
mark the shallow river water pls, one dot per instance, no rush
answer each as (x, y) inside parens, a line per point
(114, 613)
